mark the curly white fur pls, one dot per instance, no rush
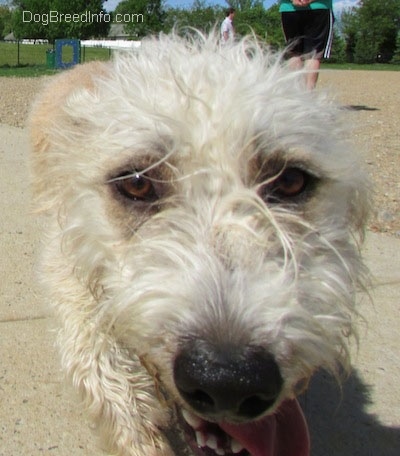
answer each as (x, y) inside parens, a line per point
(210, 256)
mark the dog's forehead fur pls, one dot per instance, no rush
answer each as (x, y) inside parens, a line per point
(210, 258)
(180, 103)
(161, 79)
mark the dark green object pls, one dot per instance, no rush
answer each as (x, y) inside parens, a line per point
(50, 58)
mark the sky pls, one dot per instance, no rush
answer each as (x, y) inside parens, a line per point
(338, 5)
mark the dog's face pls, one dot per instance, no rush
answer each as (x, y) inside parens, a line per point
(203, 210)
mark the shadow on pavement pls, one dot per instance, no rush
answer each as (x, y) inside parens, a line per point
(360, 108)
(339, 423)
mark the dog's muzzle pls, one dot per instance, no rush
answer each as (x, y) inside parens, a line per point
(229, 392)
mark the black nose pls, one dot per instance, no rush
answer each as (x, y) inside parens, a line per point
(236, 383)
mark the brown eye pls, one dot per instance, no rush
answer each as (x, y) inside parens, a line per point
(290, 183)
(136, 187)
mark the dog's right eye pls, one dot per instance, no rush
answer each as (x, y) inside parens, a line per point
(136, 187)
(291, 184)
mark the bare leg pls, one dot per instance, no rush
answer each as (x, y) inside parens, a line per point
(311, 64)
(295, 63)
(312, 67)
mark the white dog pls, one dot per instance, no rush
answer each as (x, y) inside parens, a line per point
(201, 255)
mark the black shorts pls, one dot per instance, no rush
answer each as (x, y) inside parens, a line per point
(309, 32)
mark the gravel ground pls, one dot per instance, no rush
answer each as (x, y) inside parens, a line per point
(16, 96)
(372, 99)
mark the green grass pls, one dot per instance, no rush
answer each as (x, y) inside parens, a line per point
(30, 60)
(31, 71)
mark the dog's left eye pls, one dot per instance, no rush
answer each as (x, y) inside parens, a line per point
(136, 187)
(290, 183)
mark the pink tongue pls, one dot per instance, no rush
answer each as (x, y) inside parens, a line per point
(283, 434)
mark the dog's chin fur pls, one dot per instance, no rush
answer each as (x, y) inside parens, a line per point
(211, 246)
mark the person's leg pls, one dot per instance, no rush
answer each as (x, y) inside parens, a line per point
(296, 62)
(312, 65)
(292, 26)
(317, 43)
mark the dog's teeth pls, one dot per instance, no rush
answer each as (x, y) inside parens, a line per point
(220, 451)
(201, 439)
(236, 446)
(192, 420)
(212, 442)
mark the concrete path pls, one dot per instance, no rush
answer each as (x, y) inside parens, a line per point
(39, 415)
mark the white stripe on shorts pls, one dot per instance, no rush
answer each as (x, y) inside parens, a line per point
(328, 46)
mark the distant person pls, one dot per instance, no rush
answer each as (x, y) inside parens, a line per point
(308, 29)
(227, 29)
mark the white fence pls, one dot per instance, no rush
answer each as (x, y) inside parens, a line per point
(111, 44)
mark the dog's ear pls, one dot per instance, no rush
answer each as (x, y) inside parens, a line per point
(49, 104)
(47, 117)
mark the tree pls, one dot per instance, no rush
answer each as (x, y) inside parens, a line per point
(370, 30)
(200, 16)
(141, 17)
(338, 51)
(203, 17)
(52, 19)
(252, 20)
(5, 21)
(273, 25)
(396, 55)
(365, 49)
(25, 25)
(349, 27)
(243, 5)
(379, 22)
